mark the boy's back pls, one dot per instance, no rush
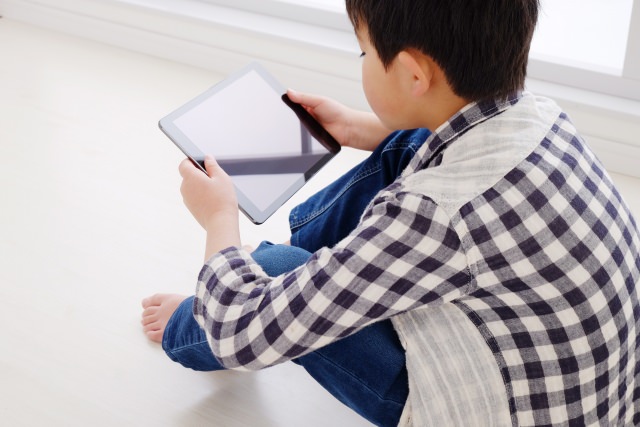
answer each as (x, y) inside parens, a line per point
(546, 327)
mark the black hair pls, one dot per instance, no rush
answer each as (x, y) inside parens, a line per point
(481, 45)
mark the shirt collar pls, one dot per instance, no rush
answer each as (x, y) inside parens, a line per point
(461, 122)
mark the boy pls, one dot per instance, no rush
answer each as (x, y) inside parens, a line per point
(503, 254)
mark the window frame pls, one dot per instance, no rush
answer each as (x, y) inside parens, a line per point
(632, 58)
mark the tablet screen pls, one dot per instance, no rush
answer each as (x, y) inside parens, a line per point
(269, 150)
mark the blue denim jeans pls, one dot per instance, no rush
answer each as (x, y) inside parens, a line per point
(331, 214)
(366, 371)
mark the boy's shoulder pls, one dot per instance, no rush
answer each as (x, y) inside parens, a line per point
(480, 155)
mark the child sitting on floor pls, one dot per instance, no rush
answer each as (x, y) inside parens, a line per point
(495, 277)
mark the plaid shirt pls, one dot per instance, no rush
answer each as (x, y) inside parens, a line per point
(505, 242)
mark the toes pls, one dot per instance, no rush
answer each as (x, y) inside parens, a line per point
(150, 314)
(155, 336)
(147, 320)
(150, 311)
(152, 326)
(158, 309)
(155, 299)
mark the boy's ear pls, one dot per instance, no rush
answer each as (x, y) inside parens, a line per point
(418, 70)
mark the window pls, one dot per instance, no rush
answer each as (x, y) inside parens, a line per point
(582, 43)
(590, 44)
(590, 34)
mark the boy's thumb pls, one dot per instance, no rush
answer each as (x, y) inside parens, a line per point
(211, 165)
(295, 96)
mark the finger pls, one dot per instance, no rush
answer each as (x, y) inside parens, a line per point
(211, 165)
(185, 167)
(305, 99)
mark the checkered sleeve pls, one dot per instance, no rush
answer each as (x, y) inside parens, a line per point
(404, 254)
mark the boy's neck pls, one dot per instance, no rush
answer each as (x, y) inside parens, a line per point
(442, 109)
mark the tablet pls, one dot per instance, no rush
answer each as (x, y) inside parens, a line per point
(269, 145)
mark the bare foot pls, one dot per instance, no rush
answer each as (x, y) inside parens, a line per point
(158, 309)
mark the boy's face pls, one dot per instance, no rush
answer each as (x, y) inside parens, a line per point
(382, 87)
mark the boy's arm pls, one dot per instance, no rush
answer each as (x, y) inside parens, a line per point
(403, 255)
(351, 128)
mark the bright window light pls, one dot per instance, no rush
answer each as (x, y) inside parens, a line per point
(590, 34)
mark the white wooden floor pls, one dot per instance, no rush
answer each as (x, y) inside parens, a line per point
(91, 221)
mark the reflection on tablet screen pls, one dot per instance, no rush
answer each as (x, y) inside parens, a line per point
(265, 127)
